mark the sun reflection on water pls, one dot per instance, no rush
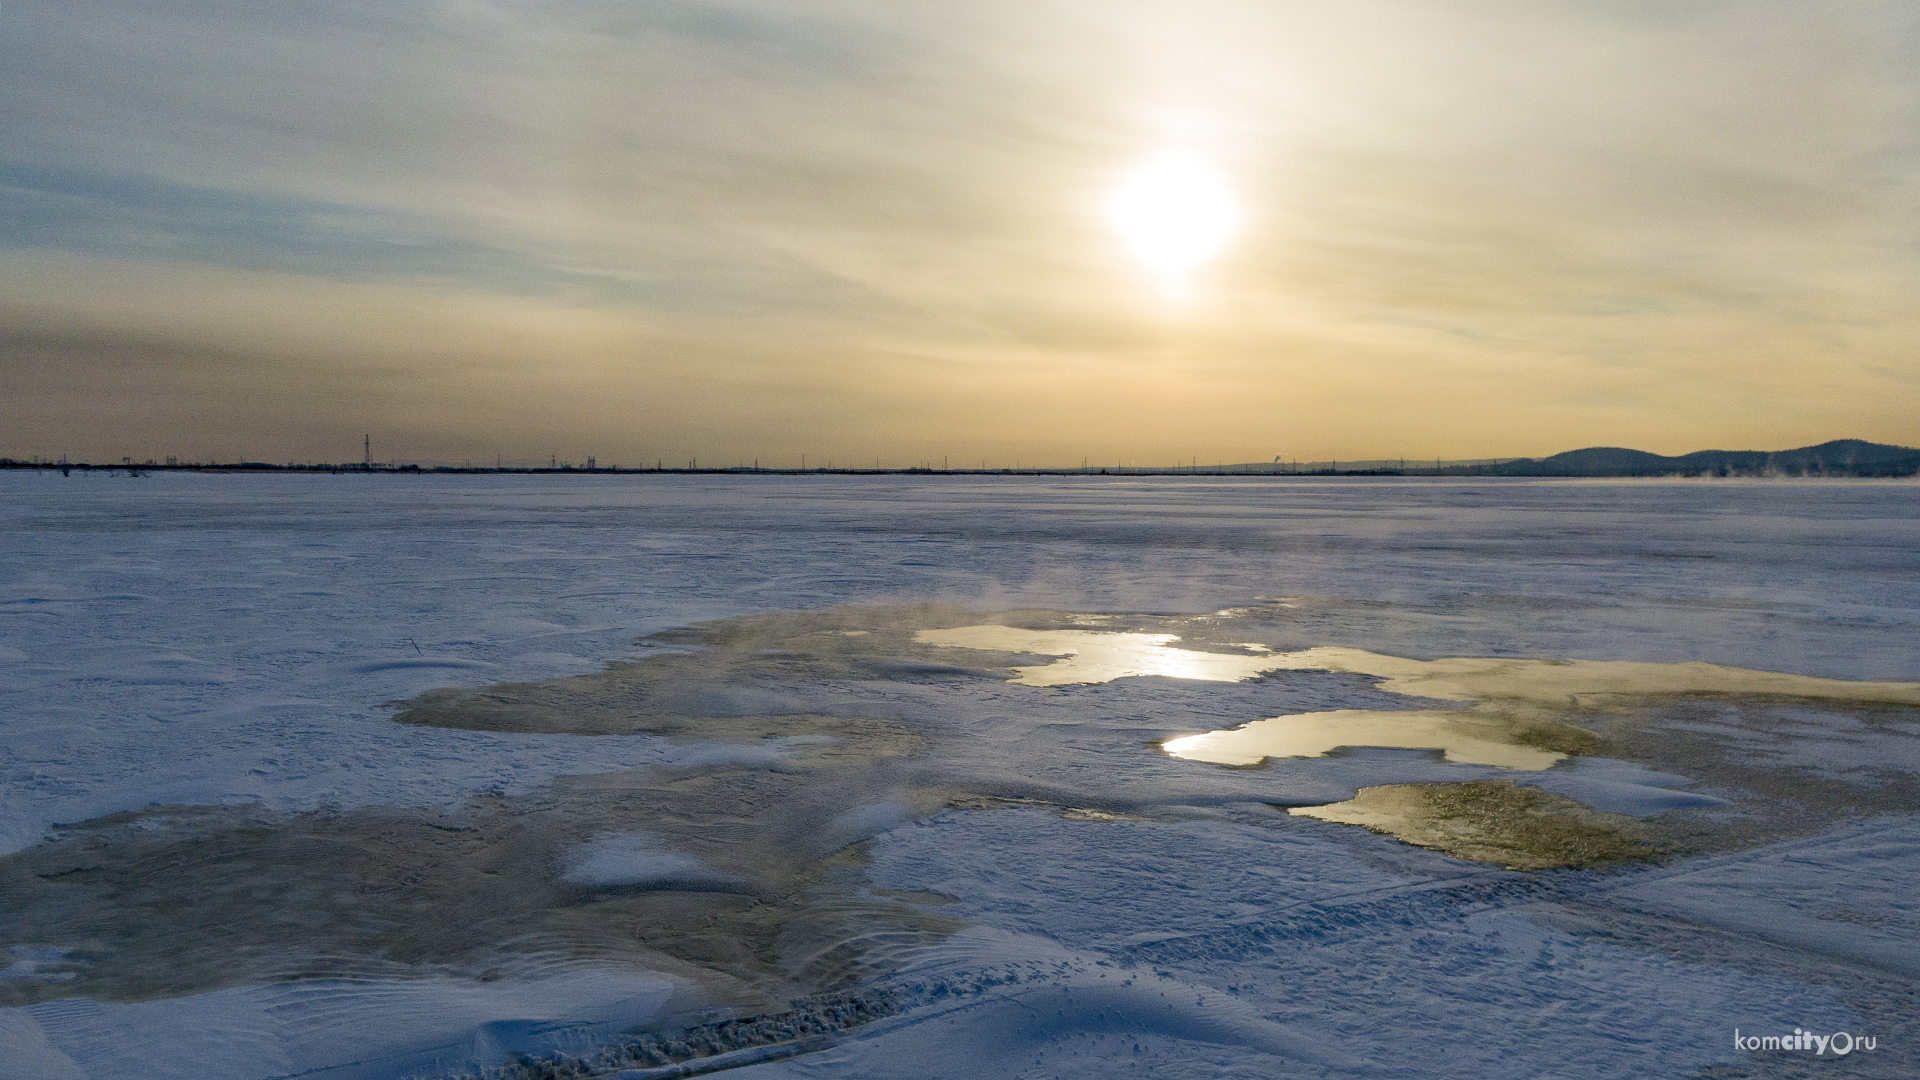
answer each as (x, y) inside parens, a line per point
(1094, 656)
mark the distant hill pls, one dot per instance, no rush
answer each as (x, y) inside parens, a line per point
(1841, 457)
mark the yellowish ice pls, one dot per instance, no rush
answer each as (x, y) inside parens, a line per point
(1460, 736)
(1507, 696)
(1095, 656)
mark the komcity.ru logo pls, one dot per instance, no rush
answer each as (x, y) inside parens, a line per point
(1839, 1042)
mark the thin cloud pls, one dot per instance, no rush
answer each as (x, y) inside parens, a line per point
(754, 222)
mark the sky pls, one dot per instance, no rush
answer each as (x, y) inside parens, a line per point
(883, 230)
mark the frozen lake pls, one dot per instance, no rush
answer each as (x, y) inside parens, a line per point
(329, 776)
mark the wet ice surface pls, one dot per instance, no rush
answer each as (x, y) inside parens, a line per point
(1318, 734)
(1097, 656)
(232, 640)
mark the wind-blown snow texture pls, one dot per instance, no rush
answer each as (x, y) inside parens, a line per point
(233, 639)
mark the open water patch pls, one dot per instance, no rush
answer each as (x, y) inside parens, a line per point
(1514, 714)
(1459, 736)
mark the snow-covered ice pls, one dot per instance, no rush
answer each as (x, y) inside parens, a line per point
(1084, 904)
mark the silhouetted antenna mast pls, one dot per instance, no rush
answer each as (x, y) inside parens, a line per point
(366, 450)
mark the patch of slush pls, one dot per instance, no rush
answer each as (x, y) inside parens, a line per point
(1568, 682)
(1492, 821)
(353, 762)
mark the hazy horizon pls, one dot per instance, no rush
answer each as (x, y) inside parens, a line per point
(739, 231)
(944, 464)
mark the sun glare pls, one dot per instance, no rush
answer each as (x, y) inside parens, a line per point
(1174, 213)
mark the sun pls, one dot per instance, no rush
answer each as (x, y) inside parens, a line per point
(1174, 213)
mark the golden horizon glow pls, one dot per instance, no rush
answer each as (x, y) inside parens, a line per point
(1000, 233)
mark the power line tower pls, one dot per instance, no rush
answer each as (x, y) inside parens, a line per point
(366, 451)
